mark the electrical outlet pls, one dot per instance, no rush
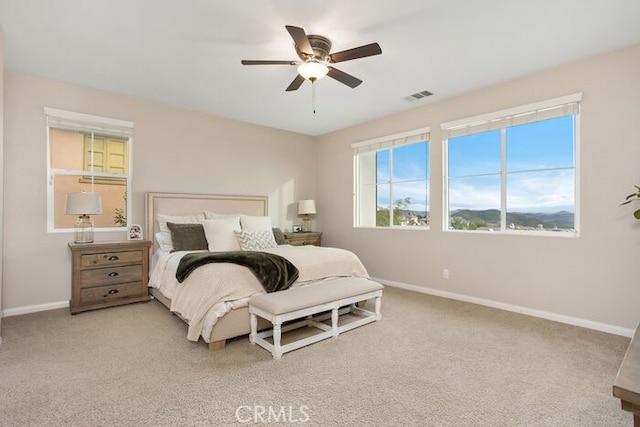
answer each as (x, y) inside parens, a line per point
(445, 273)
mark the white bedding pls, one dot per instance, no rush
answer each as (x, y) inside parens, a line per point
(214, 289)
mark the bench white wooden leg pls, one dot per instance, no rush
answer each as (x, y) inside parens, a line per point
(254, 328)
(334, 322)
(378, 305)
(277, 335)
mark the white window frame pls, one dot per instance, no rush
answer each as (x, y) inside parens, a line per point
(387, 142)
(68, 120)
(530, 113)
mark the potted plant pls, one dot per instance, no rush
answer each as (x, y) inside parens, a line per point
(631, 198)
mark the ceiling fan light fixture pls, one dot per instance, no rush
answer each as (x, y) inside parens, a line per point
(313, 70)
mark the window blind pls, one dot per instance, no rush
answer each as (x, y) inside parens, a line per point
(390, 141)
(88, 123)
(551, 109)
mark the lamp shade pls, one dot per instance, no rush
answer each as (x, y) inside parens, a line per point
(307, 207)
(83, 204)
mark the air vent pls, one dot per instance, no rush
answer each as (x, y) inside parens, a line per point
(418, 95)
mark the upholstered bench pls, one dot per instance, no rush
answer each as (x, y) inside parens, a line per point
(328, 299)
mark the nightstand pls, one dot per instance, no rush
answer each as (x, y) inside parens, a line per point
(304, 238)
(108, 274)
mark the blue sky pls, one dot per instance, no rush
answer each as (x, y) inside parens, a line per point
(540, 161)
(410, 167)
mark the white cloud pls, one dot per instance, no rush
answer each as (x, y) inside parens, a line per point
(548, 191)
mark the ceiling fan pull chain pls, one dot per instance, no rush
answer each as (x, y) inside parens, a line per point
(313, 96)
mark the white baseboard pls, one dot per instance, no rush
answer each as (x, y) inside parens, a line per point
(575, 321)
(34, 308)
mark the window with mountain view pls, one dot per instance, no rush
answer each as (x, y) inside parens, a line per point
(514, 171)
(392, 181)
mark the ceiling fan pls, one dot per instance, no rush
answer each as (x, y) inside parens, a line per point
(316, 59)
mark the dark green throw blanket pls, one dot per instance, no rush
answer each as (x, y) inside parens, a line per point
(273, 271)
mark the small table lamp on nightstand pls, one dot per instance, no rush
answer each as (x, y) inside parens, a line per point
(306, 208)
(83, 204)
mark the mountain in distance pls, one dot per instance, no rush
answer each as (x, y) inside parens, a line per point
(561, 219)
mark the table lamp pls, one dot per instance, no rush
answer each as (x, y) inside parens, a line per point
(306, 209)
(83, 204)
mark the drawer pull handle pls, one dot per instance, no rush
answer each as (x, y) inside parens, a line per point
(112, 292)
(113, 258)
(113, 274)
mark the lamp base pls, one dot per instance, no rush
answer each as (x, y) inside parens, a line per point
(83, 230)
(306, 224)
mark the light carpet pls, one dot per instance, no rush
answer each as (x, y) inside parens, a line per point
(430, 361)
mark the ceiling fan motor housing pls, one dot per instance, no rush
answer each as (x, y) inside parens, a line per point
(321, 47)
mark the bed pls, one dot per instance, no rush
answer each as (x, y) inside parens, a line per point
(213, 299)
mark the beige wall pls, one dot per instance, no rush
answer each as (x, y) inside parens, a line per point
(593, 277)
(173, 150)
(1, 170)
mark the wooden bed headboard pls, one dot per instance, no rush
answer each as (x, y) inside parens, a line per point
(190, 204)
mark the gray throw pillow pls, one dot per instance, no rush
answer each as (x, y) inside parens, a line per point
(279, 236)
(187, 237)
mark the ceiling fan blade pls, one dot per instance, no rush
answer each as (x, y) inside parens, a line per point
(343, 77)
(296, 83)
(356, 52)
(266, 62)
(300, 38)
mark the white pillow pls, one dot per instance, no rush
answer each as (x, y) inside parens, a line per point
(255, 223)
(255, 240)
(219, 233)
(213, 215)
(158, 238)
(167, 243)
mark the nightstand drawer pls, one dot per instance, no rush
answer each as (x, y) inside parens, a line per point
(111, 258)
(110, 292)
(304, 239)
(305, 242)
(102, 276)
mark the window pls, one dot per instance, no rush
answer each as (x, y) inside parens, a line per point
(515, 170)
(392, 181)
(88, 153)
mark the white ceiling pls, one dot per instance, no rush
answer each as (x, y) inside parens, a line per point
(187, 53)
